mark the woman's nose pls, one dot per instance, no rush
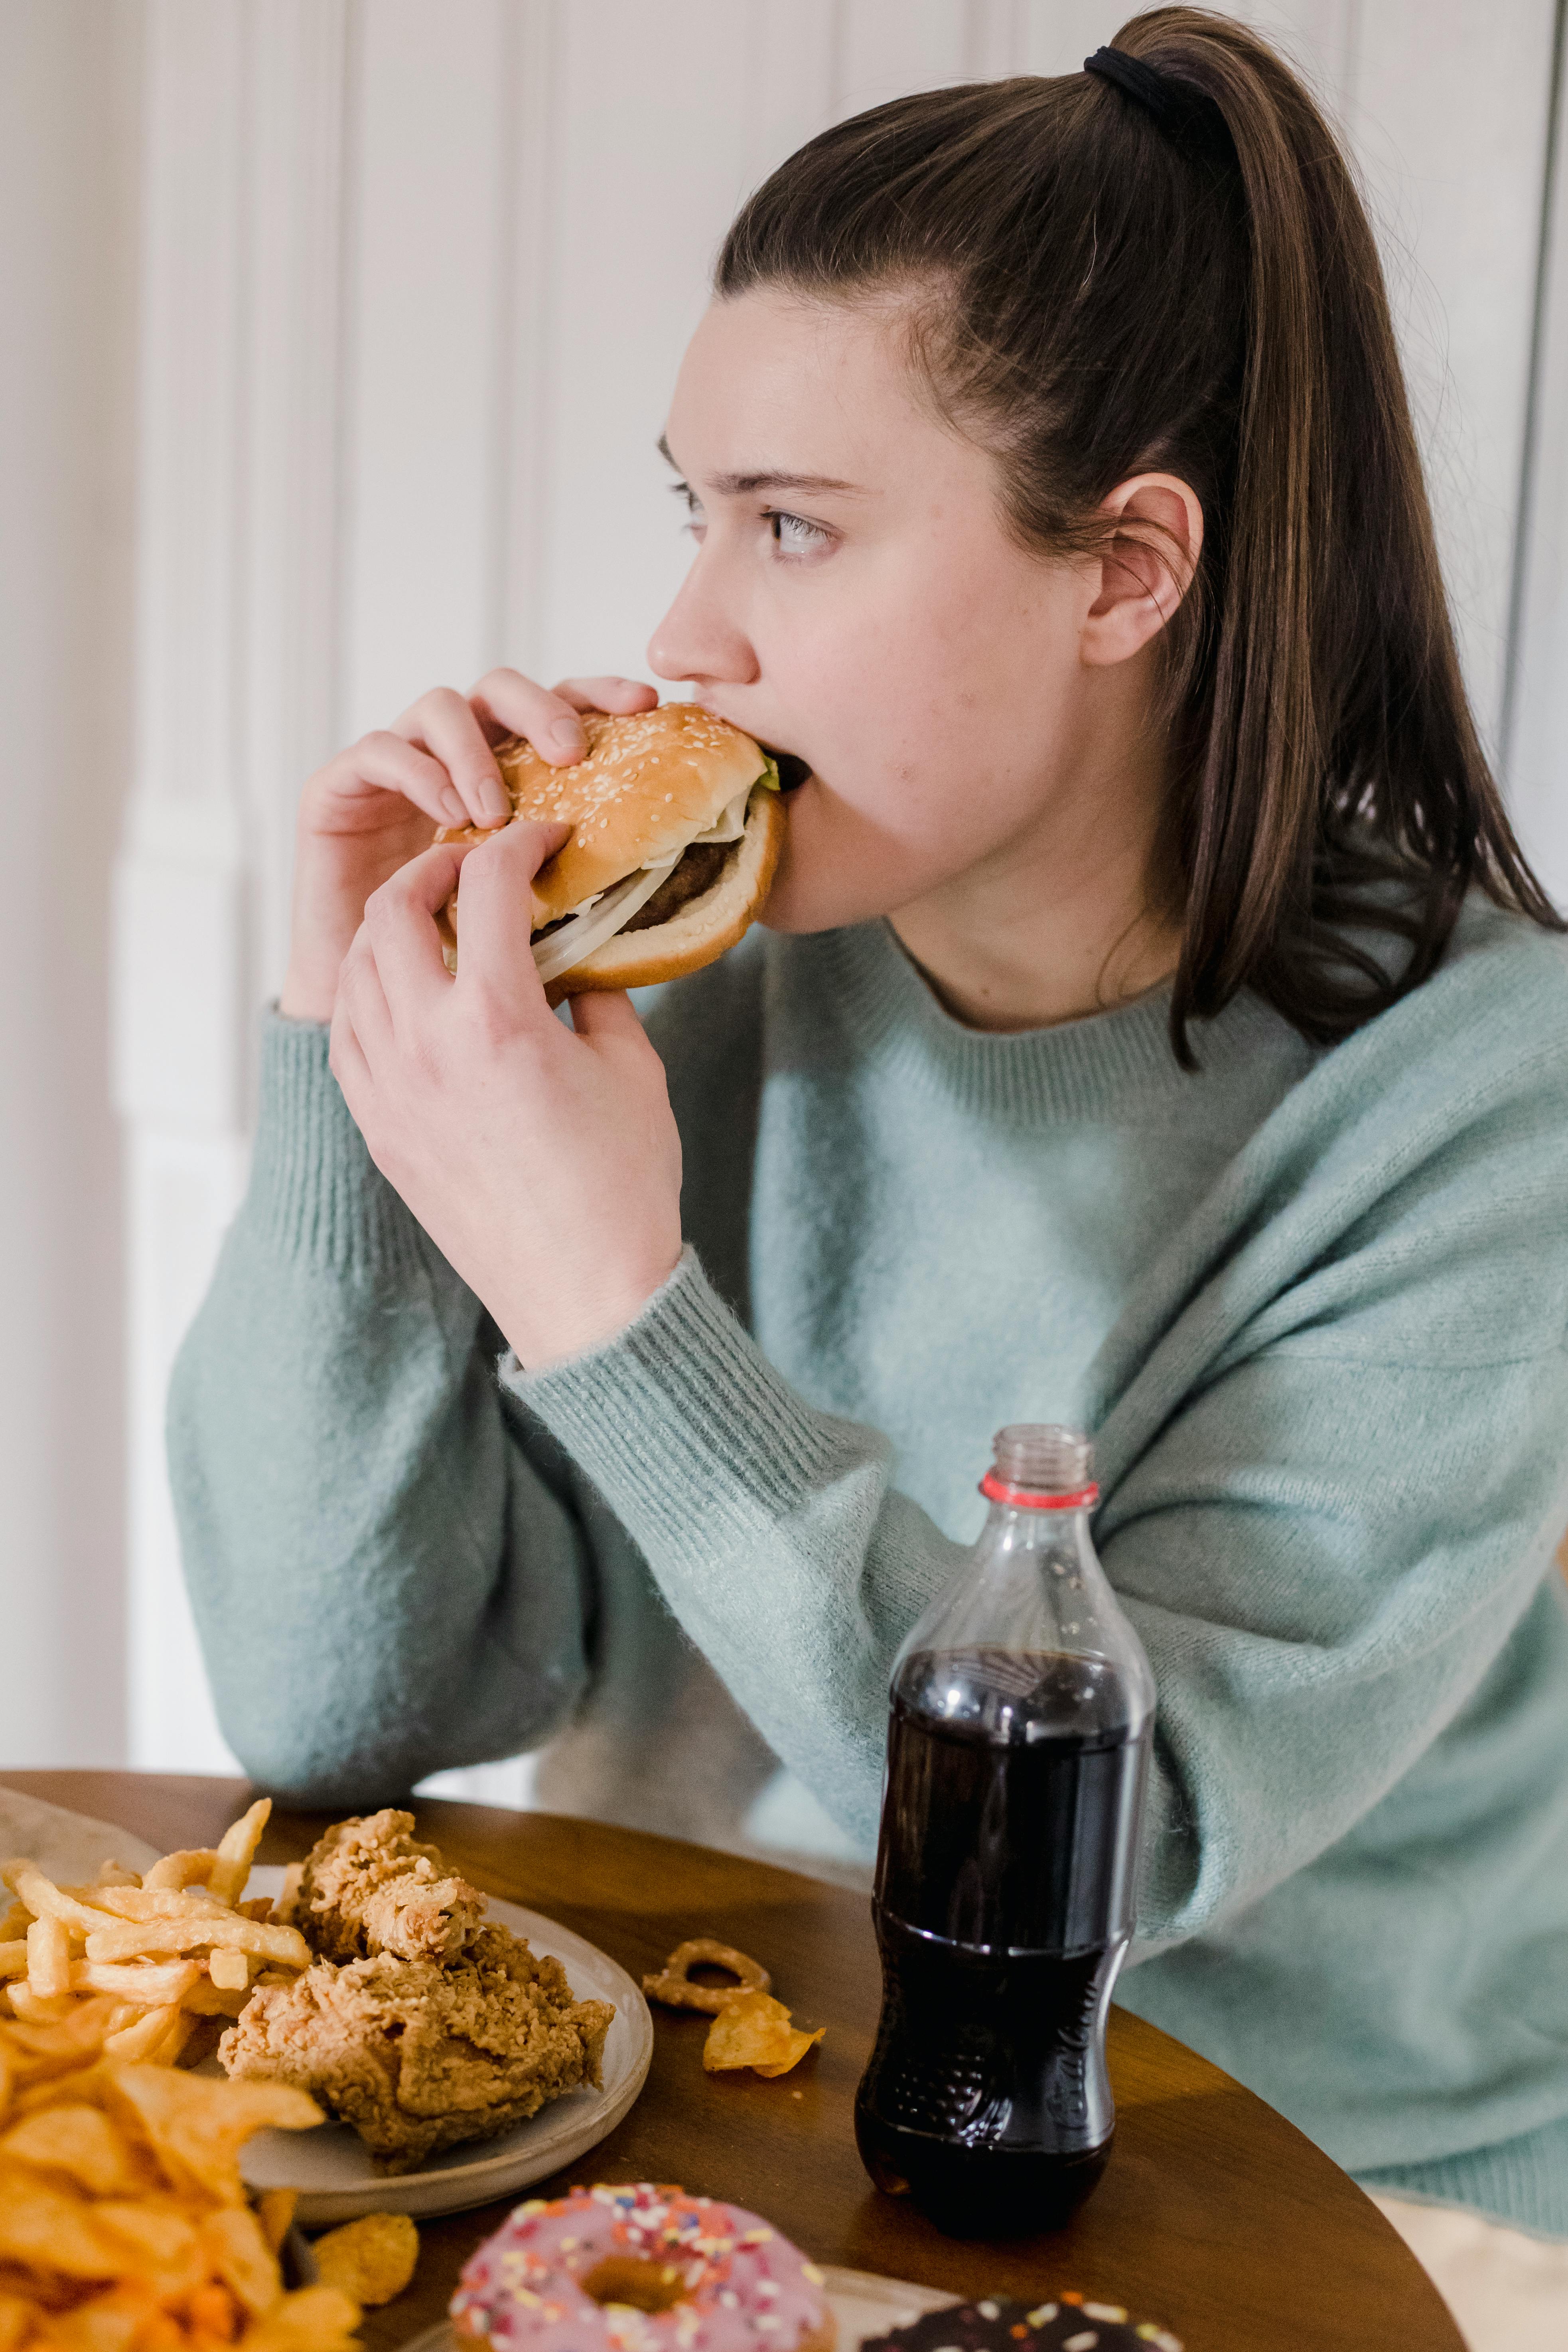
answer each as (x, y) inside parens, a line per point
(697, 637)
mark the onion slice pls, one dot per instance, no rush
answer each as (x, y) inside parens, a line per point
(609, 913)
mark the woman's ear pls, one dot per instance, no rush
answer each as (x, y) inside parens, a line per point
(1148, 567)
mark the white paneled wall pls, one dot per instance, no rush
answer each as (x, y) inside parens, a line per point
(67, 132)
(417, 280)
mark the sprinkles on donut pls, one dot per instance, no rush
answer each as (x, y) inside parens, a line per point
(641, 2269)
(1057, 2322)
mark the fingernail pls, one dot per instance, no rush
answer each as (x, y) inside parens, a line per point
(493, 801)
(567, 736)
(456, 813)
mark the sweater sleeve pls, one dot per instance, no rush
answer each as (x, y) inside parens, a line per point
(1330, 1493)
(385, 1563)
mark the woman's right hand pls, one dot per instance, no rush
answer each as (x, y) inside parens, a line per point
(376, 806)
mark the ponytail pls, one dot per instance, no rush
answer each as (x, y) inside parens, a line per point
(1101, 286)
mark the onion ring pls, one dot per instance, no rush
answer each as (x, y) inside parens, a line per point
(673, 1984)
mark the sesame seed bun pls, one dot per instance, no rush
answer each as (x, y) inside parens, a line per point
(649, 785)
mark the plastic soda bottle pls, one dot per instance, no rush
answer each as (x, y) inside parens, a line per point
(1022, 1711)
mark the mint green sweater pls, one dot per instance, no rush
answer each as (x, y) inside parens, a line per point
(1314, 1306)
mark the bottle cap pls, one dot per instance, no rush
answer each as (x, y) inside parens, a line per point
(1040, 1465)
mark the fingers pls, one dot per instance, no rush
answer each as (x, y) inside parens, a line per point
(607, 1017)
(346, 1060)
(399, 930)
(444, 723)
(363, 995)
(392, 764)
(621, 695)
(496, 916)
(548, 719)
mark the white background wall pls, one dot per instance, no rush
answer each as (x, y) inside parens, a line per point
(408, 286)
(68, 135)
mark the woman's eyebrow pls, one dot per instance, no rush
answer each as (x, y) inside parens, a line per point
(739, 485)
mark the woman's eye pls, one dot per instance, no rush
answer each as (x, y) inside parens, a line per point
(695, 517)
(792, 535)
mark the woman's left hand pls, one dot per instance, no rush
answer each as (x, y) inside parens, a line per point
(543, 1162)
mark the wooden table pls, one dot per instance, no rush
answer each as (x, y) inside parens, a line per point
(1216, 2217)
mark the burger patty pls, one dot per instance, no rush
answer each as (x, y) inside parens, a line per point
(695, 870)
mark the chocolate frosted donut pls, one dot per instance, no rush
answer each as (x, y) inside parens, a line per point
(640, 2269)
(1058, 2323)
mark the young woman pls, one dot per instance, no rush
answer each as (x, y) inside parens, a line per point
(1157, 1028)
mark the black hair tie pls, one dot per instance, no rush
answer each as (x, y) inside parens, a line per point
(1188, 116)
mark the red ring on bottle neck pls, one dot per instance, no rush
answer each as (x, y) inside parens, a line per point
(1030, 1498)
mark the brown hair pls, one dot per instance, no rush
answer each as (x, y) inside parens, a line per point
(1096, 299)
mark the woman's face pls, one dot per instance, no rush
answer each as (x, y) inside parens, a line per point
(855, 599)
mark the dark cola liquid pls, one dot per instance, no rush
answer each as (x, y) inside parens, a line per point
(1004, 1906)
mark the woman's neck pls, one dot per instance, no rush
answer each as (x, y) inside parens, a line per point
(1054, 930)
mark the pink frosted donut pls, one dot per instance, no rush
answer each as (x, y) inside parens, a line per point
(641, 2269)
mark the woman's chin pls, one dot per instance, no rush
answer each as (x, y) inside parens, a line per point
(802, 902)
(830, 874)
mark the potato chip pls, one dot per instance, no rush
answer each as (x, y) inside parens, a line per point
(312, 2319)
(274, 2211)
(110, 2321)
(124, 2227)
(239, 2254)
(80, 2141)
(153, 2242)
(49, 2228)
(753, 2030)
(15, 2320)
(29, 2097)
(372, 2260)
(195, 2126)
(56, 2046)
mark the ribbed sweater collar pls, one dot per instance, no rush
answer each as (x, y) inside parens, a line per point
(1111, 1064)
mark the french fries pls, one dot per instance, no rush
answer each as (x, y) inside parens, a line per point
(147, 1959)
(125, 2224)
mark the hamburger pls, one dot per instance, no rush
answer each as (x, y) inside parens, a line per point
(677, 828)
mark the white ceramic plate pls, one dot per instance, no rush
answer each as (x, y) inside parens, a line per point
(862, 2303)
(332, 2167)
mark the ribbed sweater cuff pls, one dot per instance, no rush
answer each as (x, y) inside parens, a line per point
(1523, 2182)
(315, 1193)
(684, 1426)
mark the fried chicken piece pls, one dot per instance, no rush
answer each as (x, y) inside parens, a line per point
(369, 1886)
(419, 2054)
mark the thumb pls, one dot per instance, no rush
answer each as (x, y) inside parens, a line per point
(495, 908)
